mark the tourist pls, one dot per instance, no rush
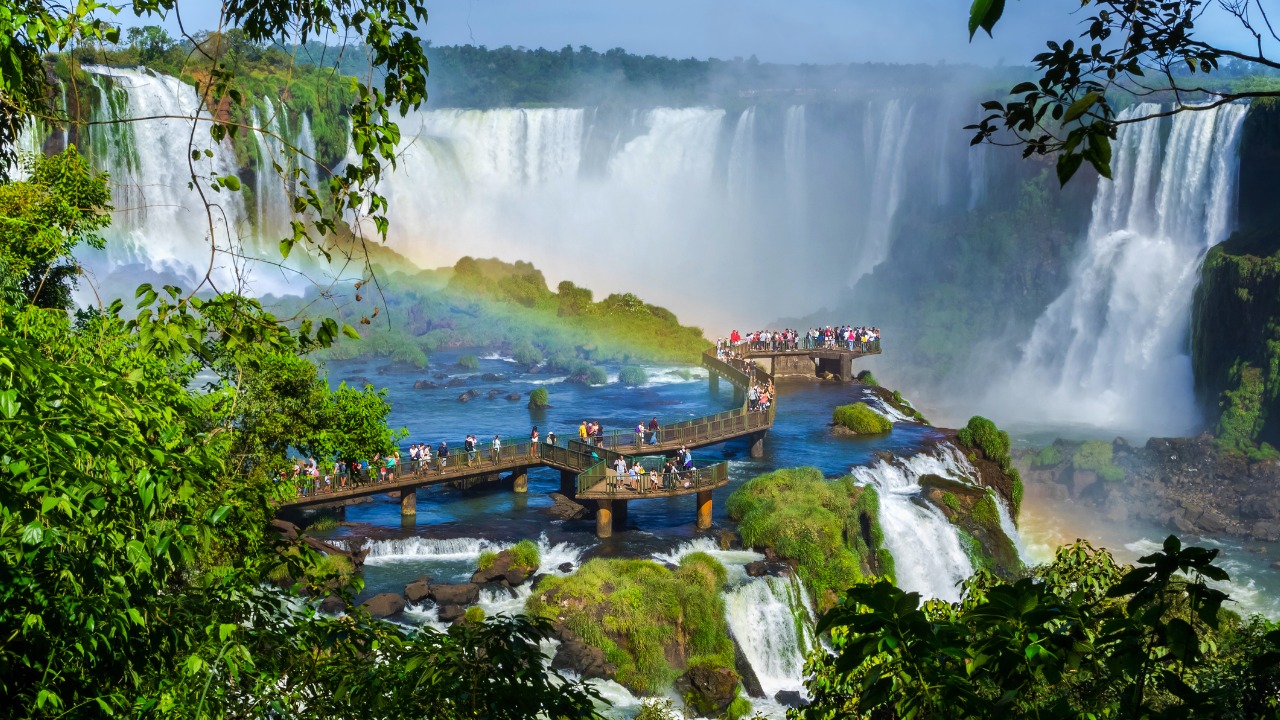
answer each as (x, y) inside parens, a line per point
(620, 466)
(639, 433)
(442, 455)
(495, 450)
(551, 437)
(653, 431)
(583, 431)
(533, 442)
(469, 445)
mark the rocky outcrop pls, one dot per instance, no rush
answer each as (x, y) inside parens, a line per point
(1185, 485)
(564, 508)
(459, 594)
(504, 569)
(333, 605)
(708, 690)
(579, 657)
(418, 590)
(450, 613)
(384, 605)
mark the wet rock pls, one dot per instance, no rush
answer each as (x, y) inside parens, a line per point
(458, 594)
(1266, 531)
(492, 377)
(581, 658)
(513, 396)
(759, 568)
(566, 509)
(424, 385)
(450, 613)
(750, 681)
(456, 383)
(287, 530)
(566, 567)
(464, 397)
(505, 569)
(789, 698)
(441, 376)
(418, 590)
(708, 690)
(333, 605)
(384, 605)
(1082, 480)
(493, 394)
(358, 381)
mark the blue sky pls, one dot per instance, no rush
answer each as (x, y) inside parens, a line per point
(795, 31)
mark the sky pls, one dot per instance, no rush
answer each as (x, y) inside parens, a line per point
(795, 31)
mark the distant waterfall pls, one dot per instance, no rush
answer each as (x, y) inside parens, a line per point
(926, 549)
(772, 620)
(742, 159)
(885, 137)
(795, 168)
(1111, 351)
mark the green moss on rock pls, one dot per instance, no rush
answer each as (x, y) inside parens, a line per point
(633, 375)
(861, 419)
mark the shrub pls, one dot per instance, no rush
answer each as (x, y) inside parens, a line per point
(985, 512)
(525, 353)
(866, 378)
(738, 709)
(587, 374)
(658, 709)
(474, 615)
(538, 398)
(487, 559)
(1096, 456)
(632, 375)
(323, 524)
(861, 419)
(469, 362)
(983, 434)
(1051, 455)
(525, 554)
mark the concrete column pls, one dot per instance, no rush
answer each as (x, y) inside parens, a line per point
(409, 502)
(521, 480)
(704, 509)
(846, 367)
(620, 512)
(713, 381)
(738, 396)
(757, 444)
(604, 519)
(568, 483)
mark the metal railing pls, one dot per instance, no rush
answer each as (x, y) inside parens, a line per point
(603, 479)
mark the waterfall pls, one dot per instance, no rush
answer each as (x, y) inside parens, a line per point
(772, 620)
(927, 554)
(742, 159)
(795, 169)
(1111, 351)
(885, 135)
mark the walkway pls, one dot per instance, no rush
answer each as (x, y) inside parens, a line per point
(834, 361)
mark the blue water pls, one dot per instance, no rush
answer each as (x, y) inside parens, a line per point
(801, 436)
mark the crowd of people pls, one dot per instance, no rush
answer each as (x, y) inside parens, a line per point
(312, 478)
(844, 337)
(676, 472)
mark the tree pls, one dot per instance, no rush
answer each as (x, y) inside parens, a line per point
(1082, 637)
(1135, 49)
(150, 41)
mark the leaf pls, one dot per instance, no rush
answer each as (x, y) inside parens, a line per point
(231, 182)
(9, 403)
(350, 332)
(1068, 164)
(217, 515)
(286, 246)
(1081, 106)
(984, 14)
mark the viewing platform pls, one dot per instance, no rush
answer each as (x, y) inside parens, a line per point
(586, 468)
(814, 362)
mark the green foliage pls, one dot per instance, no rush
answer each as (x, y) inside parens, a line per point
(985, 513)
(632, 375)
(525, 353)
(1080, 638)
(526, 555)
(638, 612)
(486, 560)
(949, 499)
(588, 374)
(817, 523)
(469, 362)
(866, 378)
(739, 708)
(861, 419)
(474, 615)
(323, 524)
(538, 398)
(1095, 456)
(1243, 410)
(1049, 456)
(983, 434)
(658, 709)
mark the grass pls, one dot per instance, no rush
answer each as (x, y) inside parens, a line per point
(1096, 456)
(983, 434)
(637, 611)
(861, 419)
(538, 398)
(469, 362)
(526, 554)
(817, 523)
(1049, 456)
(632, 375)
(487, 559)
(866, 378)
(949, 499)
(323, 524)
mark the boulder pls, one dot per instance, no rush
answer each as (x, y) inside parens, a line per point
(503, 568)
(493, 394)
(1082, 480)
(708, 690)
(566, 567)
(750, 681)
(581, 658)
(450, 613)
(384, 605)
(418, 590)
(464, 397)
(759, 568)
(492, 377)
(456, 383)
(789, 698)
(513, 396)
(332, 605)
(287, 530)
(459, 594)
(424, 385)
(1267, 531)
(565, 508)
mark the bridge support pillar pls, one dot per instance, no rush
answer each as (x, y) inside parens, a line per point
(620, 513)
(846, 367)
(521, 477)
(604, 519)
(704, 509)
(409, 502)
(568, 483)
(738, 395)
(713, 382)
(757, 444)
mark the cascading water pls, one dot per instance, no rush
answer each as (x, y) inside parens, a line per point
(927, 554)
(885, 138)
(1111, 351)
(742, 159)
(772, 620)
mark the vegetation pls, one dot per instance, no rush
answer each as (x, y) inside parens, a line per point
(469, 362)
(1081, 637)
(866, 378)
(1050, 455)
(831, 529)
(905, 407)
(982, 434)
(324, 523)
(474, 615)
(504, 306)
(1095, 456)
(650, 622)
(486, 559)
(632, 376)
(861, 419)
(526, 554)
(538, 398)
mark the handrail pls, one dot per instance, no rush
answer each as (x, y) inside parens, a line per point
(651, 481)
